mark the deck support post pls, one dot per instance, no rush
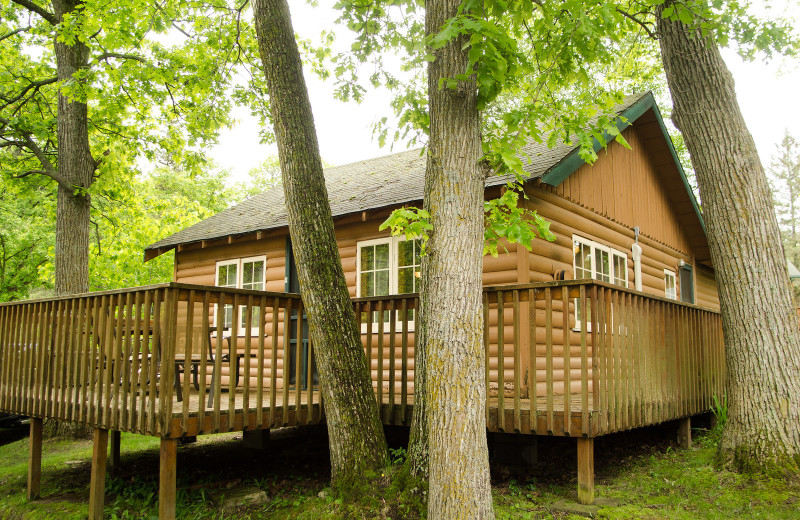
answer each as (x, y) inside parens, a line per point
(97, 485)
(585, 470)
(35, 459)
(685, 432)
(114, 449)
(166, 479)
(256, 439)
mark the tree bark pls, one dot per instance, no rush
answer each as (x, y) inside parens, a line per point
(759, 322)
(355, 433)
(417, 460)
(75, 165)
(454, 191)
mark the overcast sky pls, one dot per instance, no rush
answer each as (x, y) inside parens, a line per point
(768, 93)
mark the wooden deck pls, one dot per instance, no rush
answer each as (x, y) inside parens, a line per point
(573, 358)
(106, 359)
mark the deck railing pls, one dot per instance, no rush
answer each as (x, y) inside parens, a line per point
(586, 358)
(576, 358)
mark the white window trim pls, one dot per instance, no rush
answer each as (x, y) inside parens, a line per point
(593, 245)
(667, 274)
(239, 263)
(393, 271)
(611, 252)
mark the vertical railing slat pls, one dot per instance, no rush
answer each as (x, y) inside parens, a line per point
(585, 360)
(262, 317)
(517, 363)
(567, 355)
(273, 379)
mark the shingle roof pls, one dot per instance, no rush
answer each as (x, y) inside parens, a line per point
(384, 181)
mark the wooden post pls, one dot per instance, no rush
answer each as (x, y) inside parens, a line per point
(586, 470)
(35, 459)
(166, 482)
(114, 450)
(97, 486)
(685, 432)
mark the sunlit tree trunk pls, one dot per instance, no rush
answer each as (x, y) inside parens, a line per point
(75, 168)
(759, 322)
(454, 190)
(355, 433)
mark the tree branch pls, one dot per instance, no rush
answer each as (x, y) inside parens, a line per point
(641, 23)
(109, 55)
(32, 85)
(12, 33)
(41, 11)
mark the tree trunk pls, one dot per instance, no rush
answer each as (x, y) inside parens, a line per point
(75, 166)
(454, 192)
(417, 461)
(759, 322)
(355, 433)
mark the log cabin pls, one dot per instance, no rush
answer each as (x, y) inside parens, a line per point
(614, 325)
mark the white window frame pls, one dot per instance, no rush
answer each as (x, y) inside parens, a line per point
(602, 247)
(393, 273)
(667, 274)
(594, 246)
(239, 263)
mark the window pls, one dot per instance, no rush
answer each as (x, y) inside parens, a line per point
(670, 287)
(599, 262)
(241, 273)
(387, 266)
(593, 260)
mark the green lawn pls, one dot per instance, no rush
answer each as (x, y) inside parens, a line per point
(644, 473)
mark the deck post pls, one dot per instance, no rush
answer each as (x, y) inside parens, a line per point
(256, 439)
(35, 459)
(166, 480)
(585, 470)
(685, 432)
(97, 486)
(114, 449)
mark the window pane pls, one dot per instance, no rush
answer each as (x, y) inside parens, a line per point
(253, 275)
(247, 274)
(405, 280)
(602, 265)
(367, 284)
(382, 283)
(583, 261)
(405, 253)
(382, 256)
(620, 270)
(243, 318)
(418, 251)
(367, 258)
(227, 275)
(227, 316)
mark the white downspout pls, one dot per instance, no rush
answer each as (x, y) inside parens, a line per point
(636, 249)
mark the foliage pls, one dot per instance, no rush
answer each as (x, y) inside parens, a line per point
(720, 409)
(153, 207)
(26, 217)
(505, 220)
(784, 177)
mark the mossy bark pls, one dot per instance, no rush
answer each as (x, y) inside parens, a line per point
(762, 344)
(455, 382)
(356, 437)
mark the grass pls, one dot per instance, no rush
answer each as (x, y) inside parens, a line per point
(644, 472)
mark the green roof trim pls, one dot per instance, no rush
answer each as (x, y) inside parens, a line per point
(570, 164)
(794, 273)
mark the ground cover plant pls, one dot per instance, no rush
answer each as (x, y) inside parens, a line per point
(643, 472)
